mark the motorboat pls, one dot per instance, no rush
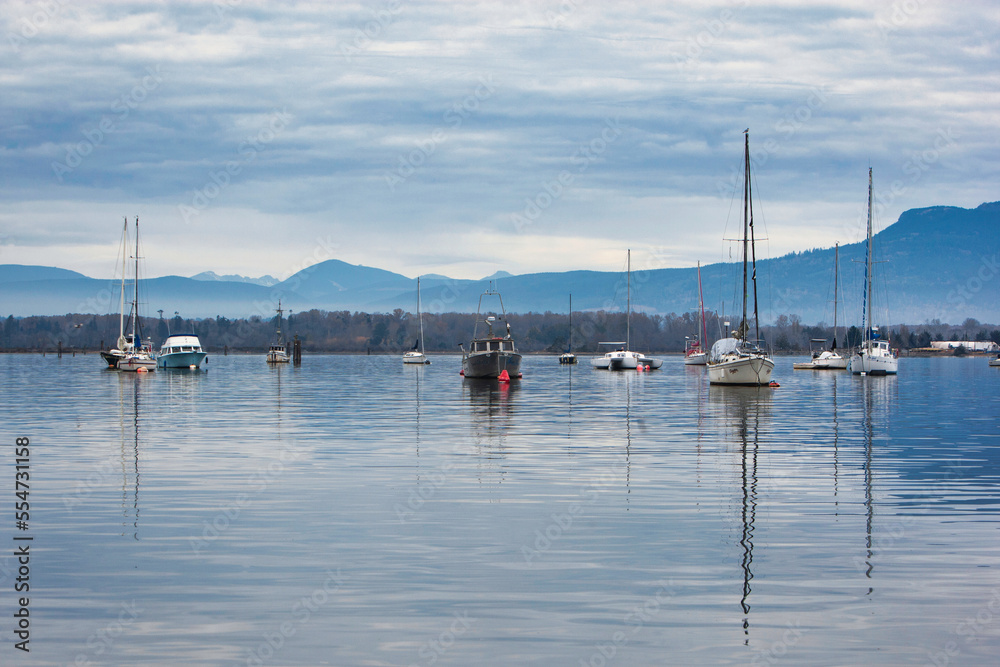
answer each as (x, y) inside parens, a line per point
(491, 355)
(181, 351)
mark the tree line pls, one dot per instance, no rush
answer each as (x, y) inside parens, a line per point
(395, 332)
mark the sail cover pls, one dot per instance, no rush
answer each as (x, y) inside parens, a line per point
(722, 347)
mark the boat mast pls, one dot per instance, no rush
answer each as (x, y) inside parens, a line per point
(753, 250)
(628, 299)
(701, 304)
(420, 317)
(836, 286)
(121, 306)
(280, 311)
(745, 327)
(135, 292)
(868, 270)
(570, 323)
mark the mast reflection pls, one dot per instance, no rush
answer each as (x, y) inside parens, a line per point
(129, 391)
(745, 411)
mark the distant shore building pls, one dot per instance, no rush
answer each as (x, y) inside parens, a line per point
(970, 345)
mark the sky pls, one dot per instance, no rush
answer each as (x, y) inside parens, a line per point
(464, 138)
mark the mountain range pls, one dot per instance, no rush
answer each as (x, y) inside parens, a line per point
(939, 263)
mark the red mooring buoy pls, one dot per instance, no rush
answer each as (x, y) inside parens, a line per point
(774, 384)
(504, 376)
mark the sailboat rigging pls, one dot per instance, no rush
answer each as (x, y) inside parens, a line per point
(623, 358)
(415, 356)
(138, 356)
(739, 360)
(874, 356)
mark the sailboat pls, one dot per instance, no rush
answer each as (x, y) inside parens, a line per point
(123, 345)
(827, 359)
(568, 357)
(694, 349)
(414, 356)
(623, 358)
(277, 353)
(136, 358)
(874, 356)
(738, 360)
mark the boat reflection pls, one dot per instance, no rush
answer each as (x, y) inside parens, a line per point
(745, 414)
(129, 392)
(492, 403)
(876, 397)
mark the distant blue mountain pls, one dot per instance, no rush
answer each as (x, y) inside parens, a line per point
(266, 281)
(937, 263)
(16, 273)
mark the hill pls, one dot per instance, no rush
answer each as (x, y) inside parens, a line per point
(938, 263)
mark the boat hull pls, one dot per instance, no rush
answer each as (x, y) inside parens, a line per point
(137, 362)
(181, 359)
(995, 362)
(753, 370)
(415, 358)
(865, 364)
(491, 364)
(567, 358)
(696, 359)
(824, 362)
(112, 357)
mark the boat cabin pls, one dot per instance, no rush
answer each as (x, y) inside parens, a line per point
(493, 345)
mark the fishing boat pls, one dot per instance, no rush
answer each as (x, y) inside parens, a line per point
(181, 351)
(136, 357)
(416, 356)
(622, 358)
(874, 356)
(568, 357)
(694, 348)
(739, 359)
(277, 353)
(491, 355)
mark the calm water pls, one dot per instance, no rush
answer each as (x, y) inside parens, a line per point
(354, 511)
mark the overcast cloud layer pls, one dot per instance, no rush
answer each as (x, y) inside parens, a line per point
(462, 138)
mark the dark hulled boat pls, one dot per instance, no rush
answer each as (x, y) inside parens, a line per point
(491, 355)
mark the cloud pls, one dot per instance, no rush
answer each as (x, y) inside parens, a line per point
(391, 135)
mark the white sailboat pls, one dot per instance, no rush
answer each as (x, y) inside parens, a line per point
(138, 357)
(623, 359)
(827, 359)
(694, 349)
(568, 357)
(123, 345)
(739, 360)
(874, 356)
(414, 356)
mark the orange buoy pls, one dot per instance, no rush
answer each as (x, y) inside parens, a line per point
(504, 376)
(462, 372)
(647, 367)
(774, 384)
